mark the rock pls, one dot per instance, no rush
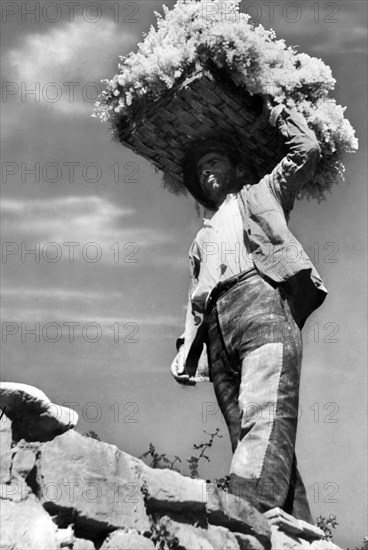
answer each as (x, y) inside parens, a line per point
(26, 525)
(18, 462)
(190, 537)
(65, 537)
(323, 545)
(248, 542)
(282, 540)
(286, 541)
(5, 449)
(16, 490)
(236, 514)
(12, 485)
(94, 483)
(119, 540)
(293, 526)
(289, 532)
(106, 494)
(33, 416)
(220, 537)
(169, 491)
(83, 544)
(23, 461)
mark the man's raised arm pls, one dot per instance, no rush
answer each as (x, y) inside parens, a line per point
(298, 166)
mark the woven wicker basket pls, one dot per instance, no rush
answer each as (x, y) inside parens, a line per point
(203, 103)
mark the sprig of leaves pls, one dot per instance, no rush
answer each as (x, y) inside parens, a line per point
(327, 524)
(159, 460)
(194, 460)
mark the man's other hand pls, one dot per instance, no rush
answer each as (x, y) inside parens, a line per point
(263, 119)
(178, 370)
(268, 103)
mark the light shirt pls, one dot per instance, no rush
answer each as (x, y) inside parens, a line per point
(218, 252)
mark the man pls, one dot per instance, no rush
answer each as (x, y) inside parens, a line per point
(252, 289)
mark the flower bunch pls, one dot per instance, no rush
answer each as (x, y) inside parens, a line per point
(215, 33)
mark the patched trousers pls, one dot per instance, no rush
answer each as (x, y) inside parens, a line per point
(255, 353)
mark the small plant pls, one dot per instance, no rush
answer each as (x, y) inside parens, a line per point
(159, 460)
(92, 434)
(327, 524)
(194, 460)
(223, 483)
(161, 537)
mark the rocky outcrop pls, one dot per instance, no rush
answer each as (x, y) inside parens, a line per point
(61, 490)
(33, 416)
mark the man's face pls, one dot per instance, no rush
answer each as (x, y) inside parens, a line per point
(217, 176)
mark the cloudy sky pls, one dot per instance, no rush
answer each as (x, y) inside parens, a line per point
(105, 287)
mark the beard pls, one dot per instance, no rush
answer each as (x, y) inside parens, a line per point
(220, 184)
(216, 181)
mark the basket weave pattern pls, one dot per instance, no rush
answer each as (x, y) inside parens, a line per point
(202, 104)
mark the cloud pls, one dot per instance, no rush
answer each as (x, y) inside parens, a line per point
(81, 53)
(61, 305)
(59, 294)
(74, 219)
(320, 29)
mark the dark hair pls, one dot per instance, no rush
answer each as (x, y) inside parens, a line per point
(220, 143)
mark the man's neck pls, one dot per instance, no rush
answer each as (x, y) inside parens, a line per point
(209, 213)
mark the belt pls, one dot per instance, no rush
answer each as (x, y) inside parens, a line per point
(223, 286)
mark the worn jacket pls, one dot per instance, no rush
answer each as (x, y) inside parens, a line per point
(277, 255)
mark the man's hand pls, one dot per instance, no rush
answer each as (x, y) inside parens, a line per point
(178, 370)
(268, 103)
(263, 119)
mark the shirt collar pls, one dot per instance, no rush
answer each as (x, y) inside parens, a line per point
(208, 214)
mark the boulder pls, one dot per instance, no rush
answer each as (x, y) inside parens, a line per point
(94, 483)
(24, 460)
(248, 542)
(83, 544)
(65, 537)
(120, 540)
(26, 525)
(323, 545)
(236, 514)
(33, 416)
(16, 490)
(5, 448)
(16, 464)
(168, 491)
(289, 524)
(190, 537)
(289, 532)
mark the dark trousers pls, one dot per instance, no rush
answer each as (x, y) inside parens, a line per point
(255, 353)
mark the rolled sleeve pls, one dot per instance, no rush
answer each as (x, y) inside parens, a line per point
(191, 319)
